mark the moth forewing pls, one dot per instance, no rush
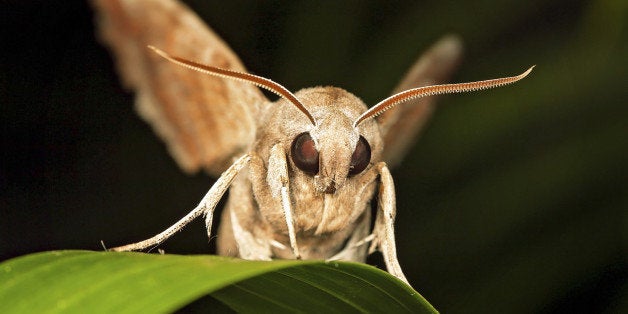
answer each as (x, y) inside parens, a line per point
(189, 112)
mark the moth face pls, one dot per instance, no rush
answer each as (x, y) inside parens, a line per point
(307, 158)
(333, 150)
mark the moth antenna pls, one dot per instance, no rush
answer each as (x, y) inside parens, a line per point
(425, 91)
(240, 76)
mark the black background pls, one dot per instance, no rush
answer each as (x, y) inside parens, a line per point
(514, 200)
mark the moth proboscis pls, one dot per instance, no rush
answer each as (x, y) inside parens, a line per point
(301, 171)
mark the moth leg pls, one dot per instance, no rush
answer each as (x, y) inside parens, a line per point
(213, 200)
(206, 206)
(279, 184)
(384, 228)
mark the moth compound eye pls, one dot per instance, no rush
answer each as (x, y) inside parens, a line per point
(304, 153)
(360, 158)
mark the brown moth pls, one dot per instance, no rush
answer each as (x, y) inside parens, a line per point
(301, 171)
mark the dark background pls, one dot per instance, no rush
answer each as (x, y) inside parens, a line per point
(514, 200)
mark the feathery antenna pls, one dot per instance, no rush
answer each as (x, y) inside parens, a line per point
(425, 91)
(240, 76)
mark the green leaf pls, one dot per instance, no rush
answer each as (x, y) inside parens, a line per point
(77, 281)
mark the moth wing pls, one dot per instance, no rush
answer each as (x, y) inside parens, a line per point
(402, 124)
(205, 121)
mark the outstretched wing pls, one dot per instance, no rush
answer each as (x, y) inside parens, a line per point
(204, 120)
(402, 124)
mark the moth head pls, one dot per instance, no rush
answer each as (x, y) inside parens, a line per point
(332, 149)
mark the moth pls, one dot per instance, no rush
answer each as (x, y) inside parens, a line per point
(301, 171)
